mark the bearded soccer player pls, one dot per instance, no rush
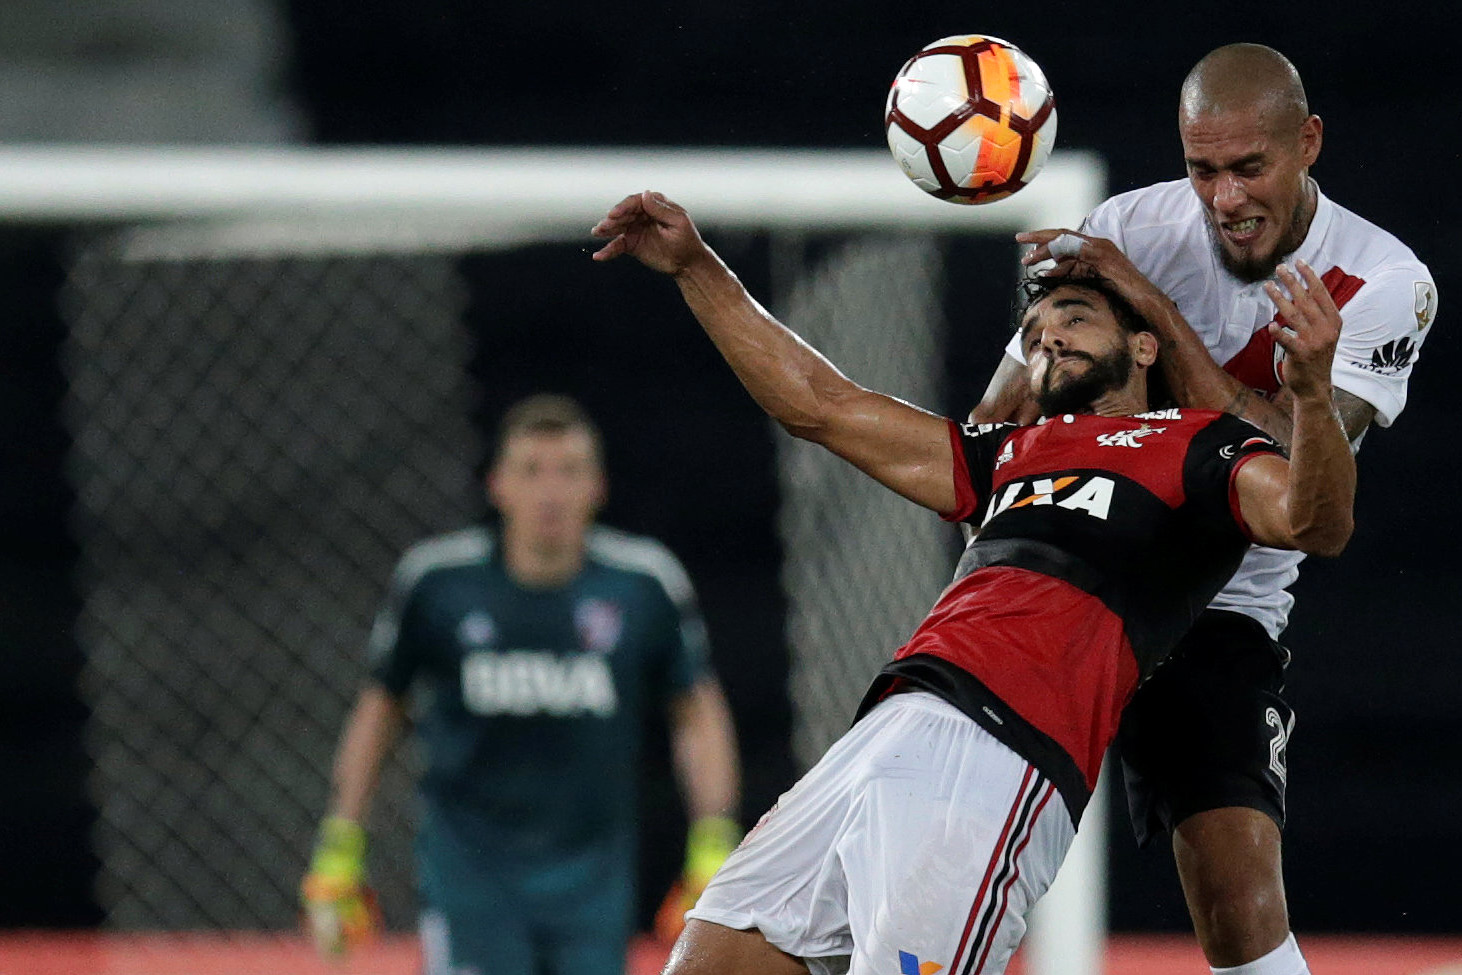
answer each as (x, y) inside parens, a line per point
(536, 651)
(922, 838)
(1204, 744)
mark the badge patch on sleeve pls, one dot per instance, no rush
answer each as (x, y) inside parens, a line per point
(1426, 304)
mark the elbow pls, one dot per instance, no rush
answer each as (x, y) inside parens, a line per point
(814, 414)
(1328, 539)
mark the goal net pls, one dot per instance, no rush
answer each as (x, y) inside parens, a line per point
(269, 388)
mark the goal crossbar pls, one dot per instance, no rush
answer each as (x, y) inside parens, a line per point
(284, 198)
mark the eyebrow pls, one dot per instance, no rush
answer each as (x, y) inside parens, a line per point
(1057, 303)
(1239, 163)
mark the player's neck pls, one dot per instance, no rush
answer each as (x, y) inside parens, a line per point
(539, 564)
(1126, 401)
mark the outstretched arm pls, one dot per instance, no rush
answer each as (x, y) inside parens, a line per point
(1308, 503)
(901, 446)
(1194, 378)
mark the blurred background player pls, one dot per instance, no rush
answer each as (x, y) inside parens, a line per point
(537, 651)
(1204, 742)
(924, 835)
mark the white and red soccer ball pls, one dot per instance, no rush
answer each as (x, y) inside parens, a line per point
(970, 119)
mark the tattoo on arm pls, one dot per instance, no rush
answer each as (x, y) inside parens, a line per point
(1275, 417)
(1355, 413)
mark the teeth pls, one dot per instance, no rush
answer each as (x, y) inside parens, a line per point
(1244, 226)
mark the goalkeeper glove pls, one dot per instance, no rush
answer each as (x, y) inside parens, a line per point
(709, 842)
(340, 910)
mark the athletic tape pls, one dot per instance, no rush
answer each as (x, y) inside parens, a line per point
(1067, 245)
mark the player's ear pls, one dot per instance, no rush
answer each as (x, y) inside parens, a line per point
(1144, 348)
(1312, 134)
(492, 486)
(601, 491)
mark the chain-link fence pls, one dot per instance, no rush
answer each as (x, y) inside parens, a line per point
(255, 441)
(861, 565)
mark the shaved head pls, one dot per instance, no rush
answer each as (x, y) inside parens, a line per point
(1245, 78)
(1248, 143)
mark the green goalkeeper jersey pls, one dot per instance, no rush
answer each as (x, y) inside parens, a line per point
(530, 703)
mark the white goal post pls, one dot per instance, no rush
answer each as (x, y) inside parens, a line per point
(163, 202)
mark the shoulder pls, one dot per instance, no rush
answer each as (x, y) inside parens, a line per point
(1353, 238)
(640, 555)
(1167, 207)
(469, 546)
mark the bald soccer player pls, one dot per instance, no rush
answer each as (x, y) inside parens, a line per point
(1204, 742)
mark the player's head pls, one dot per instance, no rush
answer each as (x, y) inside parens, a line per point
(547, 474)
(1088, 349)
(1248, 142)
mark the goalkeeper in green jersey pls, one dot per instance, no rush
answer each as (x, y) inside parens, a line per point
(539, 650)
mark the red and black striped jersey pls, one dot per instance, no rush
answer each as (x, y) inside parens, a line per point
(1100, 540)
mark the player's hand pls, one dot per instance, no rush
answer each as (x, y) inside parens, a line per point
(707, 845)
(653, 230)
(1310, 332)
(1079, 255)
(340, 911)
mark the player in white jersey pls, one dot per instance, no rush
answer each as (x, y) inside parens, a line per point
(1204, 741)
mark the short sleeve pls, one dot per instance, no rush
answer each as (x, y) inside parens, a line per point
(1215, 456)
(681, 630)
(1383, 328)
(392, 651)
(977, 448)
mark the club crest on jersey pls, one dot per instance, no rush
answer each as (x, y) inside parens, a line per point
(1092, 494)
(1426, 304)
(476, 630)
(599, 624)
(1128, 438)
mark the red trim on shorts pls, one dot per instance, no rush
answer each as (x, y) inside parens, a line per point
(965, 500)
(995, 858)
(1030, 828)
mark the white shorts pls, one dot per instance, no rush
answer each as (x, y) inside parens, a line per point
(916, 845)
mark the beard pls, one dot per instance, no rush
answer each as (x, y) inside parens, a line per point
(1259, 267)
(1076, 394)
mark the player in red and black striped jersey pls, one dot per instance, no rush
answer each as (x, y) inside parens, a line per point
(1106, 529)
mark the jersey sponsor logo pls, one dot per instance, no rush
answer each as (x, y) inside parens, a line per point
(1390, 358)
(1090, 494)
(1128, 438)
(909, 964)
(1425, 307)
(476, 630)
(1171, 413)
(522, 683)
(599, 623)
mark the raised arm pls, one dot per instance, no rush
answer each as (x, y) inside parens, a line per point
(899, 445)
(1306, 504)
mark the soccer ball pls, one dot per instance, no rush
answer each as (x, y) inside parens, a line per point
(970, 119)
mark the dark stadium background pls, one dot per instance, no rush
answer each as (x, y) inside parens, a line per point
(1375, 842)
